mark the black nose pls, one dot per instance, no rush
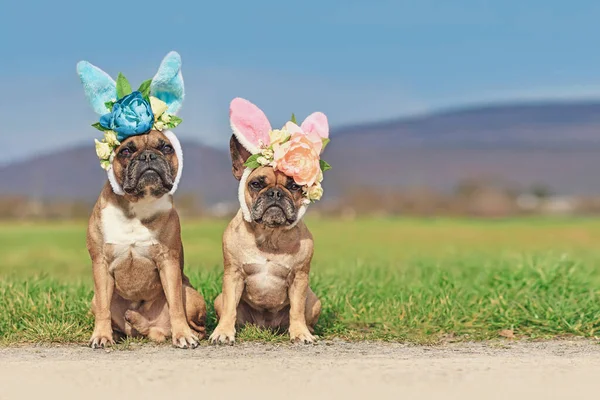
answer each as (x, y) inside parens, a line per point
(274, 193)
(147, 156)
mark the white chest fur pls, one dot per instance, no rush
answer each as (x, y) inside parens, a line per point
(121, 229)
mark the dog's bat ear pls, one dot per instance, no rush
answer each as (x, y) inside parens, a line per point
(249, 124)
(98, 86)
(239, 155)
(167, 84)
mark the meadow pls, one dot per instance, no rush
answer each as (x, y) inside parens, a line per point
(408, 280)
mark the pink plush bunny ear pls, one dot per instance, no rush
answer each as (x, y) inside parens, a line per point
(249, 124)
(316, 122)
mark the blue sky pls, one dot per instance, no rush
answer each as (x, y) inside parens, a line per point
(357, 61)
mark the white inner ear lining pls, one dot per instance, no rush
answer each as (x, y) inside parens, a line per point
(244, 206)
(118, 190)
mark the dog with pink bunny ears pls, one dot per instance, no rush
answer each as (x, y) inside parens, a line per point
(267, 248)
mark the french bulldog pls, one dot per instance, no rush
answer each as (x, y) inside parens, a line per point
(134, 241)
(134, 234)
(267, 259)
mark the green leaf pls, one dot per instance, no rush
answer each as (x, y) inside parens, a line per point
(109, 105)
(123, 86)
(252, 165)
(252, 162)
(174, 121)
(105, 164)
(145, 88)
(293, 119)
(100, 127)
(325, 143)
(324, 165)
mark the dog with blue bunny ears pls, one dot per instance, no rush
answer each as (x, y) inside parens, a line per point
(134, 237)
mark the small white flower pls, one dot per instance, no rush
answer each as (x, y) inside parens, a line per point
(279, 136)
(159, 125)
(268, 153)
(262, 161)
(320, 177)
(158, 107)
(166, 118)
(110, 137)
(315, 192)
(103, 150)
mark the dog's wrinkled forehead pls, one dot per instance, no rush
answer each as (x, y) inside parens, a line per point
(269, 176)
(152, 140)
(267, 172)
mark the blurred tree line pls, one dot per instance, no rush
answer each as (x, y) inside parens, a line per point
(483, 198)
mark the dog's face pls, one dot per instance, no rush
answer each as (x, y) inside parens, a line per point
(272, 197)
(146, 165)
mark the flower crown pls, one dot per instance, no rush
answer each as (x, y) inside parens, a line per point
(124, 112)
(294, 150)
(133, 113)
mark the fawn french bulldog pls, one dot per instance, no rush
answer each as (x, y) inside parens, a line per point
(267, 248)
(134, 237)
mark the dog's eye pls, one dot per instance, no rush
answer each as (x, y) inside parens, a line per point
(295, 187)
(167, 149)
(255, 185)
(125, 152)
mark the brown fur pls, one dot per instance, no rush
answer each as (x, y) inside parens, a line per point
(266, 269)
(140, 288)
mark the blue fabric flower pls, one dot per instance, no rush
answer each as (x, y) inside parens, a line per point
(130, 116)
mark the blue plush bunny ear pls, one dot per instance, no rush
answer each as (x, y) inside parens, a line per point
(167, 84)
(98, 86)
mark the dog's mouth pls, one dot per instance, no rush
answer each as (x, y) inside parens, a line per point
(150, 170)
(147, 176)
(274, 216)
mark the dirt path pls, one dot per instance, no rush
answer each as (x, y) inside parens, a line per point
(529, 371)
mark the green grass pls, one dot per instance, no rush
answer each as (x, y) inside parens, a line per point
(407, 280)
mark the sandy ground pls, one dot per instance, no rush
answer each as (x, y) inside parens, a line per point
(329, 370)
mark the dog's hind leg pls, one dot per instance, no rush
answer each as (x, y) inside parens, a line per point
(137, 322)
(118, 308)
(244, 313)
(195, 310)
(142, 326)
(312, 310)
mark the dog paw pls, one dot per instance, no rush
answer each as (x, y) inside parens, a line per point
(101, 340)
(185, 338)
(301, 335)
(222, 336)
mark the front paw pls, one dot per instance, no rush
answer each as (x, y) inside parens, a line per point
(184, 338)
(101, 338)
(222, 335)
(301, 335)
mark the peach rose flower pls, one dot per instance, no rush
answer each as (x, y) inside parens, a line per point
(313, 136)
(299, 159)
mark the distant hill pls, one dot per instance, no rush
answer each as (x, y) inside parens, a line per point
(560, 125)
(557, 144)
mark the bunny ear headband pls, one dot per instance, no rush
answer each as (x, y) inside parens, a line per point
(126, 113)
(294, 150)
